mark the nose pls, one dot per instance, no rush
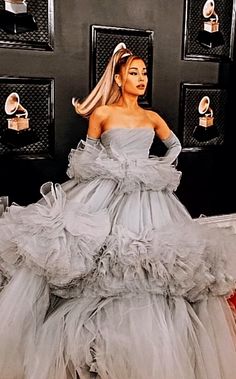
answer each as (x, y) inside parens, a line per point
(141, 78)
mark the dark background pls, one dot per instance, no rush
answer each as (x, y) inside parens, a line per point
(207, 181)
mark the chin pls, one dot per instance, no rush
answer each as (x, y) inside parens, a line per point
(140, 93)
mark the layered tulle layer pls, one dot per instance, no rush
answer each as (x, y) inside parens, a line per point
(56, 238)
(186, 260)
(115, 337)
(79, 251)
(23, 305)
(136, 337)
(130, 174)
(146, 282)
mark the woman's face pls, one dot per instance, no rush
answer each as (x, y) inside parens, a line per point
(134, 77)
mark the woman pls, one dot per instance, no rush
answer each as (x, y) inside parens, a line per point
(108, 276)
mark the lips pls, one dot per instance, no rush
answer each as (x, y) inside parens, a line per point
(141, 86)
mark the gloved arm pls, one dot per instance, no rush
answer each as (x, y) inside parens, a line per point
(173, 146)
(89, 141)
(92, 141)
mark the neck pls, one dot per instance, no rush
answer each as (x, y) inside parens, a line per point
(128, 101)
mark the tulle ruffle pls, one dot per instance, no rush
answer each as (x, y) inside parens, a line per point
(23, 305)
(186, 260)
(136, 337)
(146, 283)
(56, 238)
(76, 251)
(89, 162)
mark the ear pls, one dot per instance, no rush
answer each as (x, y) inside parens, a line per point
(117, 79)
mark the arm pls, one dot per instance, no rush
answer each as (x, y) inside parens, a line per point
(173, 146)
(95, 126)
(169, 139)
(96, 121)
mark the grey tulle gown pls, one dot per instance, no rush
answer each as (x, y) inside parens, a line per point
(141, 286)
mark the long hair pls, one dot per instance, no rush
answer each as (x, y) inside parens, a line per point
(106, 91)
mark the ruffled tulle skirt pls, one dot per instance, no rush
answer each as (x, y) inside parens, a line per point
(131, 336)
(103, 283)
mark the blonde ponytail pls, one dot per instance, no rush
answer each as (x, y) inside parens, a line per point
(106, 91)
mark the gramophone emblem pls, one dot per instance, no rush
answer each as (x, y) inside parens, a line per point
(204, 109)
(16, 6)
(212, 25)
(210, 36)
(15, 18)
(205, 130)
(19, 115)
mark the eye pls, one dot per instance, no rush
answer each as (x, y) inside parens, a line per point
(133, 73)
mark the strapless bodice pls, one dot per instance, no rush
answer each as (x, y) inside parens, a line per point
(130, 142)
(122, 155)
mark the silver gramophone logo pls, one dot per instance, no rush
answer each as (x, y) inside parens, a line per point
(211, 35)
(17, 132)
(206, 130)
(15, 18)
(19, 115)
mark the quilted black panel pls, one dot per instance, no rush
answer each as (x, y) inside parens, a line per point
(191, 97)
(103, 42)
(42, 11)
(36, 95)
(194, 24)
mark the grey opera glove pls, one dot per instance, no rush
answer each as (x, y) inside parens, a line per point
(174, 148)
(92, 141)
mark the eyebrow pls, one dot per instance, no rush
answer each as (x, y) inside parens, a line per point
(136, 68)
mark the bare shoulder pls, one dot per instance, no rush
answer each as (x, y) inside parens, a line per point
(161, 128)
(154, 117)
(96, 121)
(101, 112)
